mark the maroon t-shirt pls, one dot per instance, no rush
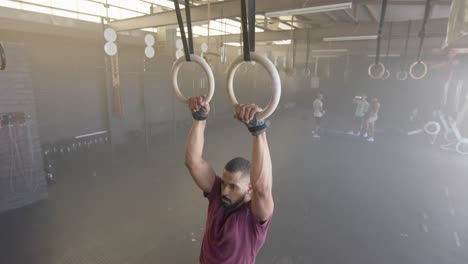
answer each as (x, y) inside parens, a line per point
(235, 238)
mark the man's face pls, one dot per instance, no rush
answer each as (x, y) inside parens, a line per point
(235, 189)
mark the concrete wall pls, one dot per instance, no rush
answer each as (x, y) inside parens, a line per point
(22, 178)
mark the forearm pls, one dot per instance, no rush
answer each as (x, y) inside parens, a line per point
(261, 168)
(195, 143)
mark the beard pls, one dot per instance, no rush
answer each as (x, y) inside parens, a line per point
(228, 205)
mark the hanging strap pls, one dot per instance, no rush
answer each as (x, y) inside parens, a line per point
(308, 49)
(2, 58)
(403, 61)
(245, 33)
(293, 42)
(209, 23)
(188, 49)
(383, 10)
(389, 41)
(252, 25)
(422, 33)
(248, 28)
(189, 25)
(316, 67)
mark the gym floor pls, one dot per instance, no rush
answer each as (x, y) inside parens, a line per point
(337, 200)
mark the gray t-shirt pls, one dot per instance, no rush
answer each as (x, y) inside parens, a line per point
(318, 105)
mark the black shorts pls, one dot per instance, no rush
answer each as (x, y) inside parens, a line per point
(358, 119)
(317, 120)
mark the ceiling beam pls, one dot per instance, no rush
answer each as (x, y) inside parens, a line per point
(404, 2)
(305, 22)
(354, 48)
(12, 20)
(436, 26)
(230, 8)
(353, 19)
(371, 13)
(261, 25)
(332, 17)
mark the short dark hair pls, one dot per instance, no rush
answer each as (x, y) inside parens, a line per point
(238, 164)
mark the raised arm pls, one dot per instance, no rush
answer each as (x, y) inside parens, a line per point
(200, 170)
(260, 167)
(261, 178)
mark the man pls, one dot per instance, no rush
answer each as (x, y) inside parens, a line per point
(373, 116)
(240, 202)
(362, 106)
(318, 114)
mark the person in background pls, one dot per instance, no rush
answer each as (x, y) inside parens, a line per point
(372, 118)
(362, 106)
(318, 114)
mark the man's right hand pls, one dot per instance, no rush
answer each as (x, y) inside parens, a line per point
(199, 108)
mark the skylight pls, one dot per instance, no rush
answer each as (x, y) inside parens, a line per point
(89, 10)
(219, 27)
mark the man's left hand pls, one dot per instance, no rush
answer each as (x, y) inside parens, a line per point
(246, 112)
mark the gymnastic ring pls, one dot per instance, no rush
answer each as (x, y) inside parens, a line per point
(402, 75)
(428, 130)
(206, 68)
(412, 68)
(306, 72)
(2, 58)
(386, 75)
(272, 71)
(381, 72)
